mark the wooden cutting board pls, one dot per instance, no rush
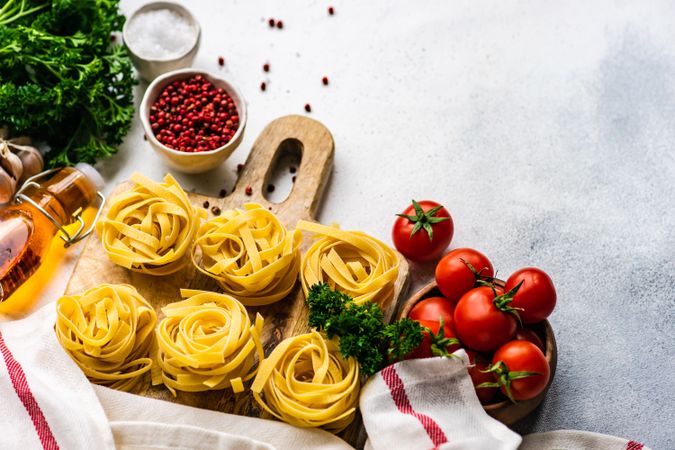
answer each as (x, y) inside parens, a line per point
(283, 319)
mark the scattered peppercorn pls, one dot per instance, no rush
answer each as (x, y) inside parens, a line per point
(221, 61)
(271, 23)
(280, 24)
(113, 38)
(240, 167)
(223, 193)
(308, 107)
(205, 204)
(215, 210)
(293, 169)
(263, 86)
(331, 10)
(270, 208)
(145, 137)
(249, 190)
(293, 179)
(266, 67)
(324, 80)
(192, 115)
(270, 188)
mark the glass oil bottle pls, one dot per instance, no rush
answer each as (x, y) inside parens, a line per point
(42, 208)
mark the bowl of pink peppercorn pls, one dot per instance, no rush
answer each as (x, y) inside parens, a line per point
(193, 119)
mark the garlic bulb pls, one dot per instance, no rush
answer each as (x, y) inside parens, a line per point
(21, 140)
(7, 187)
(31, 160)
(12, 169)
(18, 162)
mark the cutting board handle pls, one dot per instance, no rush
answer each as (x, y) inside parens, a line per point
(317, 149)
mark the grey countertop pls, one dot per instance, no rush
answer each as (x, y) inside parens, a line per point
(546, 128)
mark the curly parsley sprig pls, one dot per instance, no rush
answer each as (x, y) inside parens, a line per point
(61, 79)
(362, 330)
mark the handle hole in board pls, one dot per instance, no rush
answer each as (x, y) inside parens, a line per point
(280, 179)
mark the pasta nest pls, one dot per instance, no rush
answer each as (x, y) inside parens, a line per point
(150, 228)
(206, 342)
(108, 332)
(351, 262)
(306, 382)
(250, 254)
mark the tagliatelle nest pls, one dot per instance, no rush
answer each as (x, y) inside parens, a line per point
(250, 253)
(349, 261)
(108, 331)
(206, 342)
(306, 382)
(150, 228)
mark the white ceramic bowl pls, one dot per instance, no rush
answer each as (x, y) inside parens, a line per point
(197, 162)
(149, 68)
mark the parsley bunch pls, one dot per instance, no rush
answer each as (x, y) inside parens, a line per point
(62, 81)
(361, 328)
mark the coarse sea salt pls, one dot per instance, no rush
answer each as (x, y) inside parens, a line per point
(160, 34)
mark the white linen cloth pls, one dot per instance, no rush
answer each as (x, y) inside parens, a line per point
(46, 402)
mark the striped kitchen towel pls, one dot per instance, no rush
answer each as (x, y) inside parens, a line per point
(431, 404)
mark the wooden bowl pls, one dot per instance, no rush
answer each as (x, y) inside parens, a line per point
(506, 412)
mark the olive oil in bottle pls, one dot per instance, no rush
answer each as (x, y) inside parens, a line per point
(27, 227)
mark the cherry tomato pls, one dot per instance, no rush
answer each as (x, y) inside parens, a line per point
(477, 375)
(525, 334)
(521, 356)
(433, 308)
(423, 231)
(480, 324)
(536, 295)
(424, 349)
(453, 275)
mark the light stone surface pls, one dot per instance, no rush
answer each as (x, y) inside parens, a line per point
(546, 128)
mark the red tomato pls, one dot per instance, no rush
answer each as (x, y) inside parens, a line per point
(423, 231)
(478, 377)
(536, 296)
(424, 349)
(432, 309)
(480, 324)
(525, 334)
(521, 356)
(455, 278)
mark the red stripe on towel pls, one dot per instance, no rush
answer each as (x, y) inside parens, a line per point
(632, 445)
(18, 377)
(398, 394)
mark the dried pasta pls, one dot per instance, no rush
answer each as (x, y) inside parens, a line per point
(206, 342)
(150, 228)
(108, 331)
(306, 382)
(351, 262)
(250, 253)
